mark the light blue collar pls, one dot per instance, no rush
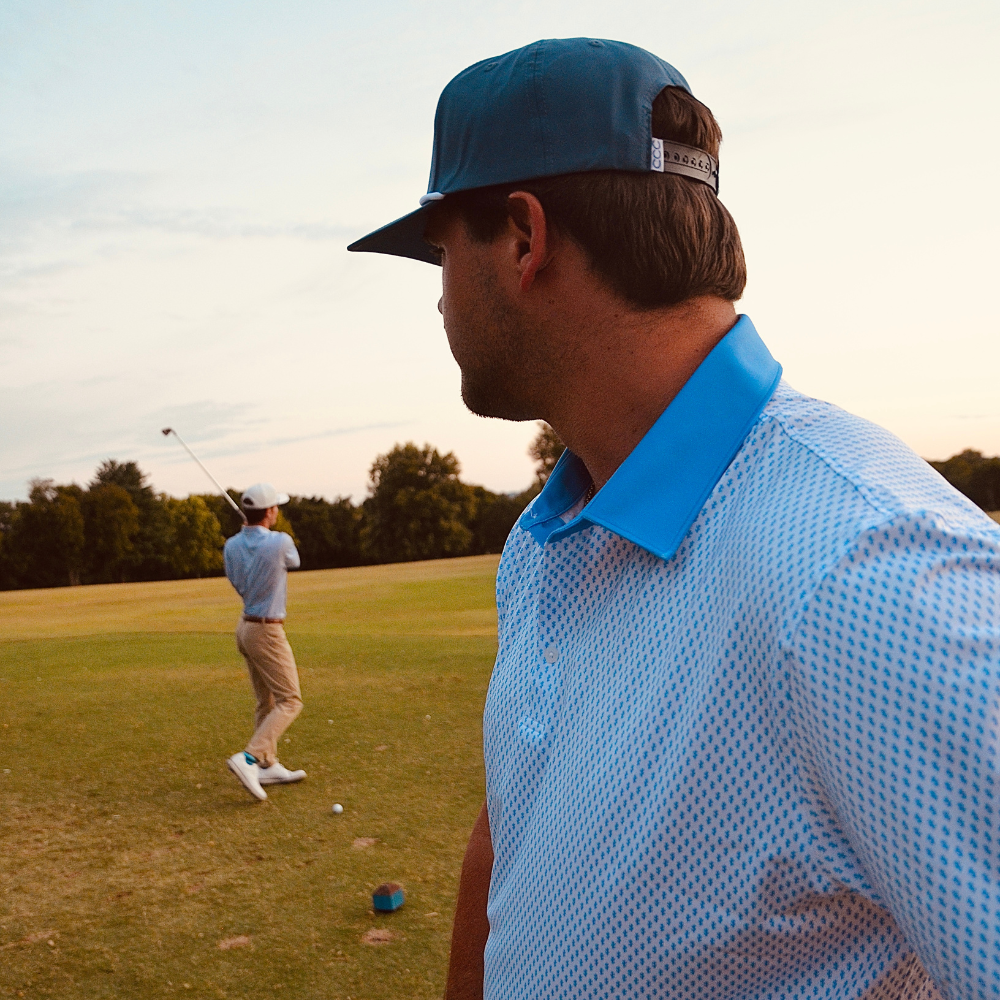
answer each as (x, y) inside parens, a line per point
(657, 492)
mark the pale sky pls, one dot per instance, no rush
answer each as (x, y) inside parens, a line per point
(178, 183)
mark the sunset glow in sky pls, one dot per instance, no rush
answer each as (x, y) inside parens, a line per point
(178, 184)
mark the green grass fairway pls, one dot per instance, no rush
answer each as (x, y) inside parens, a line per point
(127, 850)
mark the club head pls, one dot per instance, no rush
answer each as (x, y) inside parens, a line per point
(166, 431)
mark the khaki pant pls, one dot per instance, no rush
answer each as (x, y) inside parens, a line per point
(275, 680)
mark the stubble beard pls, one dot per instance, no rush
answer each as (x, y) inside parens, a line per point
(497, 373)
(488, 392)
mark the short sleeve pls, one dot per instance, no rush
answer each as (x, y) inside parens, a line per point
(894, 694)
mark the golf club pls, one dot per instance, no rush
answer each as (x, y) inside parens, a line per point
(232, 502)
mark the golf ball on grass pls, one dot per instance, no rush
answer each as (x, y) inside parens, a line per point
(337, 809)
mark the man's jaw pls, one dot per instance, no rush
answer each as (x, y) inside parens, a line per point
(489, 395)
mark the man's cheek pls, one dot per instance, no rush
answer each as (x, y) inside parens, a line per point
(450, 329)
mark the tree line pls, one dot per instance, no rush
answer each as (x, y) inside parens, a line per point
(119, 528)
(975, 476)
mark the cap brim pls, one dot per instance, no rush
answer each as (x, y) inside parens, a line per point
(280, 499)
(402, 238)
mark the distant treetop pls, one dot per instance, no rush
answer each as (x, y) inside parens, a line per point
(545, 449)
(975, 476)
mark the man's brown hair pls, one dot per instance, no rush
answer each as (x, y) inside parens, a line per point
(656, 239)
(255, 515)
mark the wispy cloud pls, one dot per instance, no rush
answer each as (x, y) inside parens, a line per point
(213, 223)
(231, 449)
(338, 431)
(204, 420)
(92, 203)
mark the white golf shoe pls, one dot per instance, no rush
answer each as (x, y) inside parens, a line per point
(278, 774)
(248, 774)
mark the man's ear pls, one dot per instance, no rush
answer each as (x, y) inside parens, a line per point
(531, 236)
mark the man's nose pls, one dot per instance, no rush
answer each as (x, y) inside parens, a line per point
(440, 306)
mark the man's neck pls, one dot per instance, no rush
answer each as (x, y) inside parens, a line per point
(626, 369)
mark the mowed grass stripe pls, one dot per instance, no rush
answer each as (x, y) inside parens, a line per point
(445, 597)
(111, 850)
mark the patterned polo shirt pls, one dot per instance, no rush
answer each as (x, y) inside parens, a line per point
(257, 564)
(741, 736)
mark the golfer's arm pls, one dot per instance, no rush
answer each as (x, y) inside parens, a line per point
(471, 929)
(923, 743)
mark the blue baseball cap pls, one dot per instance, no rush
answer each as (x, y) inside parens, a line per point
(557, 106)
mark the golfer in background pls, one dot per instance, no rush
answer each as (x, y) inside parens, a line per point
(257, 564)
(742, 738)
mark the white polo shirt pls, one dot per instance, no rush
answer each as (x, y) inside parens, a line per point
(741, 737)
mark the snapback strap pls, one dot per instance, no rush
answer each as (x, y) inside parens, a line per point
(676, 158)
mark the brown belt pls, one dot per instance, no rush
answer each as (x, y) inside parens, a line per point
(264, 621)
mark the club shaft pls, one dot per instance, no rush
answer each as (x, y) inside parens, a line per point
(232, 502)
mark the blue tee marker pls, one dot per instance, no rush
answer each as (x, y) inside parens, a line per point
(388, 897)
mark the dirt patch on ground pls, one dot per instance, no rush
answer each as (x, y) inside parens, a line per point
(29, 939)
(377, 935)
(241, 941)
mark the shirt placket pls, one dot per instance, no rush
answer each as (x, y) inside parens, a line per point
(550, 639)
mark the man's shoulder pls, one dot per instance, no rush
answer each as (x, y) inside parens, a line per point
(278, 544)
(855, 454)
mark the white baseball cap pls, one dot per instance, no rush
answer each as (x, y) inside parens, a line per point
(260, 496)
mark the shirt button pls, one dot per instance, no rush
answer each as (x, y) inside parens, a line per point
(551, 654)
